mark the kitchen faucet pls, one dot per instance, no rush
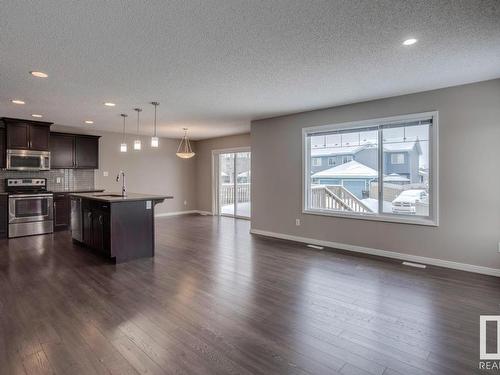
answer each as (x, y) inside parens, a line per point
(124, 190)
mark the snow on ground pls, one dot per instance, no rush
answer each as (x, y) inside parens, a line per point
(243, 209)
(373, 204)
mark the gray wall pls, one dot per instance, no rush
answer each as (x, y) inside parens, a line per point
(469, 155)
(204, 165)
(156, 171)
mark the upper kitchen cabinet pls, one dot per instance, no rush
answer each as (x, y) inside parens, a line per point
(74, 151)
(62, 151)
(87, 152)
(26, 134)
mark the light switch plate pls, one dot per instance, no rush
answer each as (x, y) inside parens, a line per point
(148, 205)
(105, 173)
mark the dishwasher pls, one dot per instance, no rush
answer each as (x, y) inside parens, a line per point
(76, 219)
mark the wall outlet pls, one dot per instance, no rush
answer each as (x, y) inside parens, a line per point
(297, 222)
(105, 173)
(185, 203)
(58, 180)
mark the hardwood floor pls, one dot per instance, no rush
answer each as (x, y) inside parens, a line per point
(216, 300)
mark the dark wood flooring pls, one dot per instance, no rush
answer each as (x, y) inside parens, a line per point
(216, 300)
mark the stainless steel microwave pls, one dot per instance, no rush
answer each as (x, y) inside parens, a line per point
(28, 160)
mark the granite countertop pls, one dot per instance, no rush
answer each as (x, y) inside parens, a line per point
(108, 197)
(77, 191)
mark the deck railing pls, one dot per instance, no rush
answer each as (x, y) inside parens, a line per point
(226, 193)
(336, 197)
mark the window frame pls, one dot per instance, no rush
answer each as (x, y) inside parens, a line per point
(398, 154)
(319, 164)
(348, 158)
(431, 220)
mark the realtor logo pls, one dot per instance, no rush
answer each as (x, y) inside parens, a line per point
(482, 337)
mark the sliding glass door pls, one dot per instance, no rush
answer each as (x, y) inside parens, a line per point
(233, 183)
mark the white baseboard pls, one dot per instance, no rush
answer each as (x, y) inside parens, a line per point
(188, 212)
(205, 213)
(383, 253)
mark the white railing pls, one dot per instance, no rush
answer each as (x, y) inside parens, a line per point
(336, 197)
(226, 193)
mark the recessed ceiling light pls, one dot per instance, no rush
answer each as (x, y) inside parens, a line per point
(36, 115)
(39, 74)
(409, 42)
(109, 104)
(18, 101)
(89, 122)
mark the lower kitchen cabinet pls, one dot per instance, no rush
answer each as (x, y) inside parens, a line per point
(96, 226)
(4, 215)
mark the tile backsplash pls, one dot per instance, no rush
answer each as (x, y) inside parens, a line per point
(69, 179)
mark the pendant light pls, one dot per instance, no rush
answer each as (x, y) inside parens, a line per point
(137, 142)
(184, 150)
(154, 139)
(123, 145)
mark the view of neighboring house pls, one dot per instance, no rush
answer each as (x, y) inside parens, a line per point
(402, 158)
(354, 167)
(354, 176)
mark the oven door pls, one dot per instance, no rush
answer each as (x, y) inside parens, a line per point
(26, 160)
(30, 208)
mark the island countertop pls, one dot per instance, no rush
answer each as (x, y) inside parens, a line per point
(112, 197)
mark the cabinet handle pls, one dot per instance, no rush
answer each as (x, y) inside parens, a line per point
(89, 214)
(54, 205)
(100, 219)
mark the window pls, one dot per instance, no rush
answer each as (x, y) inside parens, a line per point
(398, 158)
(391, 174)
(346, 159)
(316, 162)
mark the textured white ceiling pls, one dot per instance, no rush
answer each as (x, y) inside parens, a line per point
(216, 65)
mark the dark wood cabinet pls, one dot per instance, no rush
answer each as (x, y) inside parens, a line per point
(74, 151)
(18, 136)
(62, 211)
(26, 134)
(4, 213)
(87, 152)
(62, 150)
(96, 226)
(87, 226)
(39, 137)
(3, 150)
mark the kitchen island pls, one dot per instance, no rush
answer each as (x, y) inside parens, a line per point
(119, 227)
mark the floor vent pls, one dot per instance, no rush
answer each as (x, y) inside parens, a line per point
(416, 265)
(315, 247)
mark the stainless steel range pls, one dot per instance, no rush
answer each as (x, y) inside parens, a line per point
(30, 206)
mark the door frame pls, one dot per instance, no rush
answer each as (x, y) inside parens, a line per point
(215, 178)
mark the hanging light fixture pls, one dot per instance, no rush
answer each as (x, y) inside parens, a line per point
(184, 150)
(123, 145)
(137, 142)
(154, 139)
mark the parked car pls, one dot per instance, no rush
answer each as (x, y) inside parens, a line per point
(405, 203)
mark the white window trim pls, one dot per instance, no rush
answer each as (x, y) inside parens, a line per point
(431, 220)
